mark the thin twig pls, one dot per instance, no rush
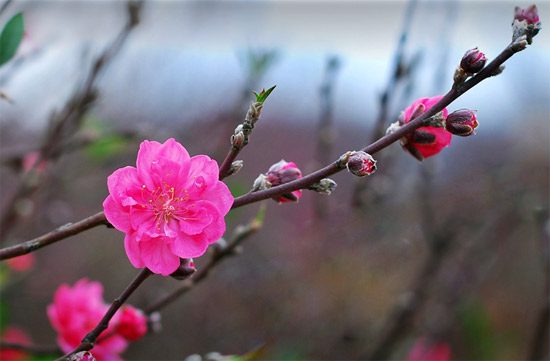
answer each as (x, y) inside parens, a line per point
(241, 234)
(36, 350)
(58, 234)
(88, 341)
(67, 122)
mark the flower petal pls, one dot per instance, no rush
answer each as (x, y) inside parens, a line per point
(131, 245)
(116, 214)
(157, 256)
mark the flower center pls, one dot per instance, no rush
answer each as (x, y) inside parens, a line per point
(165, 203)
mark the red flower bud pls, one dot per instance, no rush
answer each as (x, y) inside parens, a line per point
(132, 323)
(284, 172)
(461, 122)
(185, 270)
(531, 14)
(361, 164)
(473, 61)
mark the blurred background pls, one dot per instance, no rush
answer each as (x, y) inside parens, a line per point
(451, 249)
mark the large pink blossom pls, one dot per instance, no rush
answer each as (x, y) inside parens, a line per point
(76, 311)
(170, 205)
(429, 140)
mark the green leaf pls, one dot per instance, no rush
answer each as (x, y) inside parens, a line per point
(262, 96)
(107, 146)
(10, 38)
(478, 333)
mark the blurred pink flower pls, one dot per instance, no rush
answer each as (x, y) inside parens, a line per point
(284, 172)
(170, 205)
(424, 350)
(22, 263)
(132, 324)
(76, 311)
(14, 334)
(530, 14)
(429, 140)
(29, 161)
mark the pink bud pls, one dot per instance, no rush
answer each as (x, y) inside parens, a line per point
(361, 164)
(284, 172)
(530, 15)
(22, 263)
(461, 122)
(132, 324)
(424, 350)
(14, 334)
(473, 61)
(186, 269)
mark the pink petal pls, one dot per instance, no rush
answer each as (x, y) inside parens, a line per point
(123, 184)
(189, 246)
(153, 153)
(133, 251)
(116, 214)
(157, 256)
(219, 195)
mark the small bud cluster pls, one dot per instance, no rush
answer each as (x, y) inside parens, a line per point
(240, 135)
(526, 24)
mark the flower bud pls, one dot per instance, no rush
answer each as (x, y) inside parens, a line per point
(361, 164)
(186, 269)
(526, 22)
(238, 139)
(236, 166)
(284, 172)
(530, 15)
(132, 324)
(324, 186)
(461, 122)
(82, 356)
(473, 61)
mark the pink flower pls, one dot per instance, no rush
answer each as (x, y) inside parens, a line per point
(132, 324)
(13, 334)
(76, 311)
(21, 263)
(473, 61)
(429, 140)
(170, 205)
(284, 172)
(424, 350)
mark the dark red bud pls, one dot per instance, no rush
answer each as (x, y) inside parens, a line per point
(186, 269)
(473, 61)
(461, 122)
(530, 15)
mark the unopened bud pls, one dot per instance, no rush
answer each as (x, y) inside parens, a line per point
(361, 164)
(186, 269)
(82, 356)
(283, 172)
(526, 22)
(235, 167)
(394, 127)
(473, 61)
(324, 186)
(155, 322)
(260, 183)
(461, 122)
(238, 139)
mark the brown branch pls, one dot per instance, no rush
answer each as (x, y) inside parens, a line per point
(36, 350)
(336, 166)
(88, 341)
(58, 234)
(241, 234)
(67, 122)
(453, 94)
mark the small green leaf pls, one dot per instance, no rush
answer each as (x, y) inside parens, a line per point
(262, 96)
(107, 146)
(260, 216)
(10, 38)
